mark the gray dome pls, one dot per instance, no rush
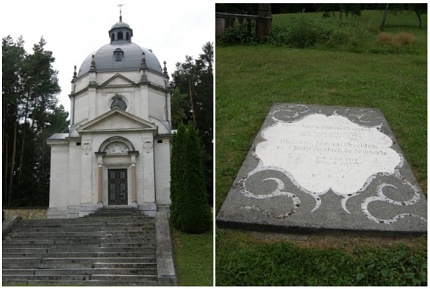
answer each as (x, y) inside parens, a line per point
(120, 54)
(120, 25)
(104, 59)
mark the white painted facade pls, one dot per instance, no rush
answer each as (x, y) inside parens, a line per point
(117, 151)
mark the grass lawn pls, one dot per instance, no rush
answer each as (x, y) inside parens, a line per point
(249, 79)
(193, 257)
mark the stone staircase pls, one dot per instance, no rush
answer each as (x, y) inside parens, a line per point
(110, 247)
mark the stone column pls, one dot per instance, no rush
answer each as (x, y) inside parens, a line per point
(100, 178)
(133, 155)
(264, 20)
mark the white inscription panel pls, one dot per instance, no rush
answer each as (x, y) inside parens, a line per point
(327, 152)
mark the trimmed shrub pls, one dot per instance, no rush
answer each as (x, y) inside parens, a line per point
(190, 212)
(177, 170)
(384, 38)
(403, 39)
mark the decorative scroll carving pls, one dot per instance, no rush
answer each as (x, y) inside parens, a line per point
(321, 154)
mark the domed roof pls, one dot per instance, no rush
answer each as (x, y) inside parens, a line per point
(120, 54)
(120, 24)
(105, 61)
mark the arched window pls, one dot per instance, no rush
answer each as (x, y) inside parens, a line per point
(112, 37)
(127, 36)
(120, 35)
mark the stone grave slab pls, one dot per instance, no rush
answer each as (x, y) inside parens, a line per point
(318, 168)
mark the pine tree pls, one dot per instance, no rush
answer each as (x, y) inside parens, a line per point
(30, 115)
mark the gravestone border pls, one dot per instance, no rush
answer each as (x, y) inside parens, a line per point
(239, 212)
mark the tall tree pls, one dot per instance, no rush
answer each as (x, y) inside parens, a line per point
(192, 103)
(13, 55)
(45, 81)
(30, 113)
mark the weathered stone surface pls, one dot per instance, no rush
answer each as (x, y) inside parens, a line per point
(314, 168)
(26, 214)
(119, 250)
(165, 264)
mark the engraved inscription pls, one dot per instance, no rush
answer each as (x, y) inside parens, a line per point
(327, 152)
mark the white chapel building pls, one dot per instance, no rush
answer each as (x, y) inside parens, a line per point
(117, 152)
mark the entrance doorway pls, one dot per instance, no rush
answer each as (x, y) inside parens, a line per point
(117, 182)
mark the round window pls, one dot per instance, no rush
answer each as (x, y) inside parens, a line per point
(118, 103)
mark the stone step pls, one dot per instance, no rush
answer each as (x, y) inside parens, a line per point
(96, 222)
(129, 278)
(11, 249)
(72, 280)
(81, 271)
(107, 248)
(82, 240)
(142, 239)
(142, 282)
(76, 280)
(47, 262)
(123, 265)
(108, 211)
(38, 250)
(95, 234)
(114, 212)
(141, 253)
(145, 248)
(88, 229)
(50, 265)
(82, 221)
(106, 222)
(150, 243)
(82, 259)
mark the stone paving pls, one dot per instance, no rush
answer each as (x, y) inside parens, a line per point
(320, 168)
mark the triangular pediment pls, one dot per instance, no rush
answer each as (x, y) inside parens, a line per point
(117, 121)
(117, 80)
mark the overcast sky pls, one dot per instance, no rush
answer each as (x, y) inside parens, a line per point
(75, 29)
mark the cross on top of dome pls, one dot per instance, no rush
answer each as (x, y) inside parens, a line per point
(120, 31)
(120, 11)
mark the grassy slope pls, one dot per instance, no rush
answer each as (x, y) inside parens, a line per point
(362, 31)
(250, 79)
(396, 84)
(193, 254)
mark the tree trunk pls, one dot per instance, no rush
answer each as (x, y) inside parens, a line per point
(381, 28)
(12, 169)
(6, 170)
(192, 104)
(23, 143)
(419, 17)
